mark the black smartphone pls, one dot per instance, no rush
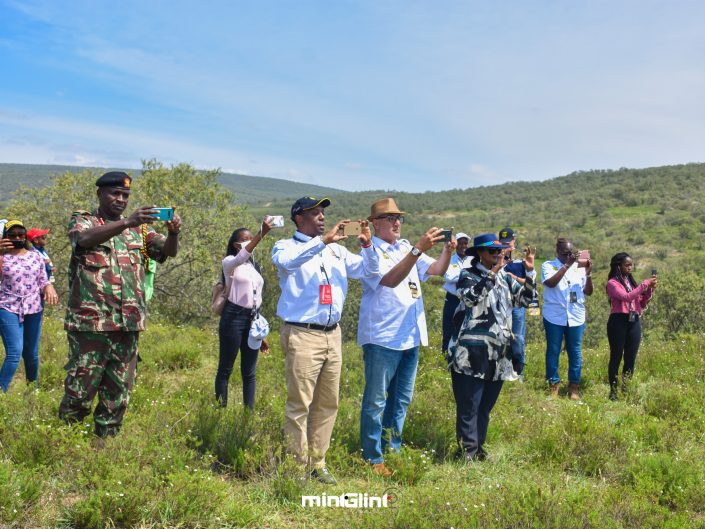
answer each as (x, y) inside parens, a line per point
(447, 235)
(653, 271)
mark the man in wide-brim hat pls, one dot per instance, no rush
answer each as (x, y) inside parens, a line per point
(392, 325)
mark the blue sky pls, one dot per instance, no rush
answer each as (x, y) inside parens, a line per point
(376, 94)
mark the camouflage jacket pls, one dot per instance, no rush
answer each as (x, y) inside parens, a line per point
(482, 346)
(106, 282)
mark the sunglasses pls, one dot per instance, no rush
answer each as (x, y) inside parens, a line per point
(494, 251)
(393, 218)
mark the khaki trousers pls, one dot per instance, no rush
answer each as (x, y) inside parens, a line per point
(313, 360)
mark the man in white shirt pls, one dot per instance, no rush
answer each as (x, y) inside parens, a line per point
(565, 286)
(313, 276)
(519, 269)
(458, 261)
(391, 327)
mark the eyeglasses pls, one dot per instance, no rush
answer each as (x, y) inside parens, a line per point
(393, 218)
(494, 251)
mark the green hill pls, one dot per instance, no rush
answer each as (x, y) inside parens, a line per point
(247, 189)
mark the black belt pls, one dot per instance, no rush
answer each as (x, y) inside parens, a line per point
(314, 326)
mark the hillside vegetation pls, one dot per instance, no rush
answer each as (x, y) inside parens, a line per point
(182, 462)
(249, 189)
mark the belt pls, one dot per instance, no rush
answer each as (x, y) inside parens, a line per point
(314, 326)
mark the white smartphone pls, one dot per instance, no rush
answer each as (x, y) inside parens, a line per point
(276, 220)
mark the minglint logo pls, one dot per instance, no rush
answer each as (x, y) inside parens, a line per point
(353, 500)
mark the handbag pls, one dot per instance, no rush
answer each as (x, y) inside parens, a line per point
(220, 295)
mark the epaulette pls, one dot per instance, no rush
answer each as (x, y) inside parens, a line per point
(80, 213)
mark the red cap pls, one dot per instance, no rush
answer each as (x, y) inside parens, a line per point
(35, 233)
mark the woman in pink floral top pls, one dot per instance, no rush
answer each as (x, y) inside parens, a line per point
(23, 283)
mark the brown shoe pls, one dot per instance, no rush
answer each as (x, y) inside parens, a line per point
(381, 469)
(573, 391)
(553, 389)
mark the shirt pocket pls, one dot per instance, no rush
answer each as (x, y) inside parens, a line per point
(98, 257)
(134, 252)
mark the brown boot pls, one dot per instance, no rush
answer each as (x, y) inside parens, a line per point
(553, 389)
(381, 469)
(573, 391)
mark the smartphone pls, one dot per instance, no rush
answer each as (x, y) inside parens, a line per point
(276, 220)
(583, 258)
(351, 229)
(653, 271)
(164, 213)
(447, 235)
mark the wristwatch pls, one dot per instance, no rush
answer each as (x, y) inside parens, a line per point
(415, 251)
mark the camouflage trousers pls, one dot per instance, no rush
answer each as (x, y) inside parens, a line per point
(102, 363)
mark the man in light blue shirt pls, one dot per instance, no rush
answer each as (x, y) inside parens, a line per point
(391, 327)
(458, 261)
(566, 283)
(313, 276)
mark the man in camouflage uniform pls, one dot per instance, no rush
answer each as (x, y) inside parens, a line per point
(106, 306)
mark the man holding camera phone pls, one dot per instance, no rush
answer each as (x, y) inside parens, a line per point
(106, 306)
(392, 325)
(313, 275)
(519, 269)
(566, 280)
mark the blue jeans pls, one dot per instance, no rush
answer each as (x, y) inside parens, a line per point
(519, 339)
(573, 345)
(21, 340)
(389, 385)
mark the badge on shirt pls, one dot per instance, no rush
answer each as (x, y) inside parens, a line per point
(415, 293)
(573, 296)
(325, 295)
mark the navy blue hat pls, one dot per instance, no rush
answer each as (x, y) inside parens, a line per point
(306, 203)
(115, 179)
(506, 235)
(486, 240)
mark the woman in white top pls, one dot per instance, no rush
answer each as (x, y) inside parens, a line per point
(243, 278)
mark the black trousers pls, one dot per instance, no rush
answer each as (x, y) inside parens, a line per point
(624, 337)
(474, 400)
(449, 307)
(233, 331)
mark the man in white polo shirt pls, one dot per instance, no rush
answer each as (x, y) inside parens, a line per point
(565, 286)
(313, 276)
(391, 327)
(458, 261)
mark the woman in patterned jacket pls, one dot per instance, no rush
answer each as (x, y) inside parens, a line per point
(480, 357)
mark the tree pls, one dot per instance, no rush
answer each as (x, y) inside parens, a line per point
(182, 286)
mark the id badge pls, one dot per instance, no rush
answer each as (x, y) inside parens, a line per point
(632, 316)
(325, 295)
(573, 296)
(414, 290)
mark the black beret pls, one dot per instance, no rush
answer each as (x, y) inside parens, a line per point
(115, 179)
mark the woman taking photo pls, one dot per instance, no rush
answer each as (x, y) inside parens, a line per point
(624, 324)
(480, 360)
(244, 285)
(23, 283)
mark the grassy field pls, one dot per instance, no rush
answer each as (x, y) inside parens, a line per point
(181, 462)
